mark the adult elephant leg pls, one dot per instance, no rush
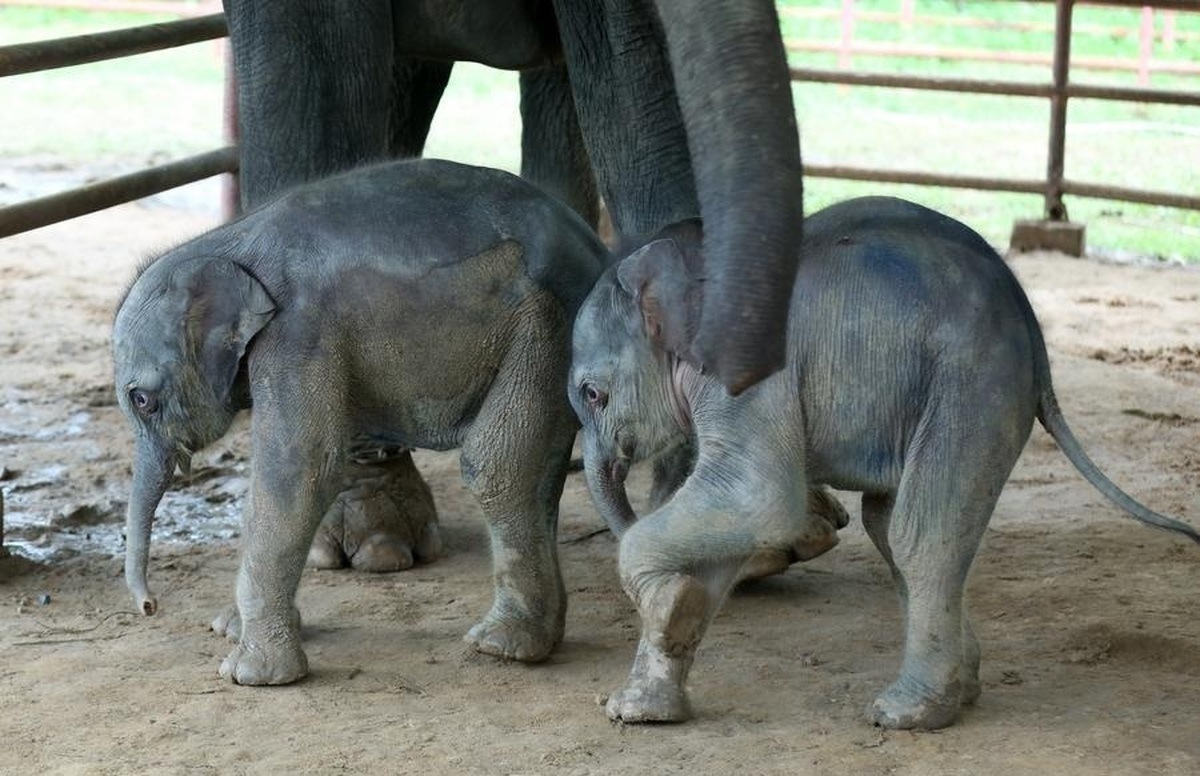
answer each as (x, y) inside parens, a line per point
(314, 90)
(630, 118)
(385, 519)
(320, 93)
(417, 87)
(553, 154)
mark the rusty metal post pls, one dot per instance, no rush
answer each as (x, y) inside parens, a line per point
(231, 189)
(845, 61)
(1145, 45)
(1055, 209)
(1055, 232)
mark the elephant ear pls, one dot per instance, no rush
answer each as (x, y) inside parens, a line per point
(669, 291)
(227, 306)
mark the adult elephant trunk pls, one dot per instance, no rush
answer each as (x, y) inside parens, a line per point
(734, 89)
(153, 466)
(606, 481)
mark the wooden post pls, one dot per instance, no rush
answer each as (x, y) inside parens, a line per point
(1145, 45)
(1055, 209)
(1055, 231)
(845, 61)
(231, 190)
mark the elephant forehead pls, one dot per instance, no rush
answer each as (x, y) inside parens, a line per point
(608, 316)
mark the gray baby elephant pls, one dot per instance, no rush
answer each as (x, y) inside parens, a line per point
(915, 371)
(426, 302)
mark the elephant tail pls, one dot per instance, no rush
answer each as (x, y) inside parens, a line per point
(1051, 418)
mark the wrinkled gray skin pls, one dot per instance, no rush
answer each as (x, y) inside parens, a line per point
(669, 109)
(424, 302)
(684, 107)
(323, 90)
(915, 371)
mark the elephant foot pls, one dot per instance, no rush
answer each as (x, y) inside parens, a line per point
(826, 516)
(659, 701)
(971, 691)
(228, 622)
(383, 520)
(673, 609)
(822, 503)
(819, 535)
(256, 662)
(526, 640)
(655, 690)
(903, 707)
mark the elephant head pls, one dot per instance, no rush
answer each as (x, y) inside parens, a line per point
(180, 337)
(629, 370)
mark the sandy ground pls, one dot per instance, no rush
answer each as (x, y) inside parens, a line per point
(1090, 624)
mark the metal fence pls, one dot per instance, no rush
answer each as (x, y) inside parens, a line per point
(1058, 90)
(84, 49)
(66, 52)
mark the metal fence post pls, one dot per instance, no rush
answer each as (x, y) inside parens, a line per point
(231, 186)
(1055, 231)
(1055, 209)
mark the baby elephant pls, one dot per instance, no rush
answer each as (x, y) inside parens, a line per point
(426, 303)
(915, 370)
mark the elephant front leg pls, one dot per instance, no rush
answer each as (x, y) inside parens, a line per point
(289, 492)
(674, 611)
(677, 565)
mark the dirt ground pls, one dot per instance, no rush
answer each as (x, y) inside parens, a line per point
(1090, 623)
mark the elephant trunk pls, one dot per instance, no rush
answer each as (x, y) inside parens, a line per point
(152, 471)
(735, 92)
(606, 480)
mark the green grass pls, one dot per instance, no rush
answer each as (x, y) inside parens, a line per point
(127, 113)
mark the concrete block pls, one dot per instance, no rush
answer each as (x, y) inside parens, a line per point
(1062, 236)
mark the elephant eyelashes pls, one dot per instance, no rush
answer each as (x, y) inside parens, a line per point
(145, 403)
(596, 398)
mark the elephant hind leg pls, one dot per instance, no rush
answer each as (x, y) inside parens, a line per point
(929, 534)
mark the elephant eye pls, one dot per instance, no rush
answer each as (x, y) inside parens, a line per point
(145, 403)
(596, 398)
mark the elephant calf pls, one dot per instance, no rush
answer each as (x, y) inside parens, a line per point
(426, 303)
(915, 370)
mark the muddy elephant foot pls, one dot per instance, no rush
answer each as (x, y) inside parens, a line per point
(513, 638)
(655, 690)
(904, 707)
(383, 520)
(826, 516)
(228, 622)
(259, 662)
(673, 610)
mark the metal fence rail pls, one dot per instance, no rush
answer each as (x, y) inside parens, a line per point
(84, 49)
(1059, 91)
(29, 57)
